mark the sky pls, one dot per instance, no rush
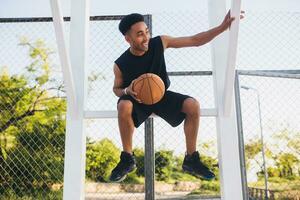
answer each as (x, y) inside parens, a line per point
(41, 8)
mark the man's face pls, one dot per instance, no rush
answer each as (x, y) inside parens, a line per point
(138, 37)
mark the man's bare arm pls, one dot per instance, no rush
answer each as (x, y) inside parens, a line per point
(118, 82)
(200, 38)
(191, 41)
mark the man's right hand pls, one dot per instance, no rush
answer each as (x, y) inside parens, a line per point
(131, 92)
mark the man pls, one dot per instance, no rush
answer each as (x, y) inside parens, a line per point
(146, 55)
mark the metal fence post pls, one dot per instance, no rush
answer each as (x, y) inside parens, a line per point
(149, 160)
(241, 136)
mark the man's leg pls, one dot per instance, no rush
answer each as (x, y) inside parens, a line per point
(126, 125)
(191, 108)
(127, 161)
(192, 163)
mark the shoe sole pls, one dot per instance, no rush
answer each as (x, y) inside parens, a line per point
(187, 170)
(123, 177)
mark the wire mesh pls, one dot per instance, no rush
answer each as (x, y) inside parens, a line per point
(32, 112)
(269, 40)
(32, 148)
(271, 130)
(101, 58)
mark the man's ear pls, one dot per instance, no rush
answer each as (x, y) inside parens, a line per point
(127, 38)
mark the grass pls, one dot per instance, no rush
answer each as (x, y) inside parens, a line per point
(208, 188)
(278, 184)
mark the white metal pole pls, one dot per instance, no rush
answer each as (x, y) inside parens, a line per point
(75, 141)
(228, 151)
(75, 146)
(63, 53)
(231, 61)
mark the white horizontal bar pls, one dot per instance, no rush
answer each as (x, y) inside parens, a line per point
(211, 112)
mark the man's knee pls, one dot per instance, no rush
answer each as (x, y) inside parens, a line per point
(125, 108)
(191, 107)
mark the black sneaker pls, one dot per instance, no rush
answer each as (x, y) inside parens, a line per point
(126, 165)
(194, 166)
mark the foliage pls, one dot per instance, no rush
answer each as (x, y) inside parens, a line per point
(23, 96)
(140, 160)
(208, 188)
(273, 172)
(32, 126)
(252, 149)
(34, 195)
(210, 185)
(101, 158)
(285, 163)
(211, 163)
(35, 160)
(163, 164)
(291, 139)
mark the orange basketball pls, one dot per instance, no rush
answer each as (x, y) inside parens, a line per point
(149, 88)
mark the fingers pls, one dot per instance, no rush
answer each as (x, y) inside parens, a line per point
(228, 13)
(135, 96)
(138, 100)
(229, 19)
(133, 93)
(241, 17)
(241, 14)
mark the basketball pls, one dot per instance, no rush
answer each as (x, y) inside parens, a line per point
(149, 88)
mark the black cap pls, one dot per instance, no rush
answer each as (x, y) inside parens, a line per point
(128, 21)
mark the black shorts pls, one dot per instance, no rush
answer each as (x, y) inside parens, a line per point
(168, 108)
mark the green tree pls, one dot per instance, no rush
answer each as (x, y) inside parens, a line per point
(32, 125)
(101, 158)
(140, 161)
(24, 95)
(208, 155)
(34, 157)
(252, 148)
(164, 163)
(291, 139)
(285, 162)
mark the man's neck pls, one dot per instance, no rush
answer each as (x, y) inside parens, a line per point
(136, 53)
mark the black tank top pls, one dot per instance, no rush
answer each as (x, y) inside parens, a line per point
(153, 61)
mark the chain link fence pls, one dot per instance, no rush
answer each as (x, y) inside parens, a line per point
(32, 122)
(268, 41)
(169, 142)
(32, 146)
(271, 131)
